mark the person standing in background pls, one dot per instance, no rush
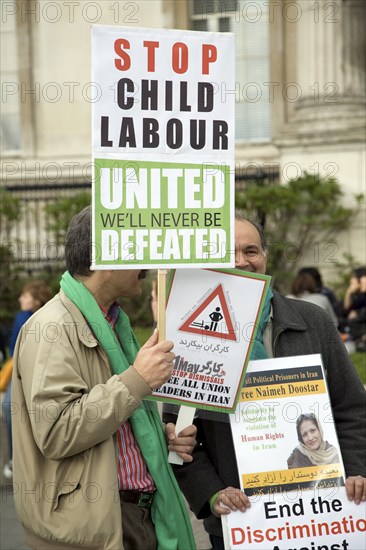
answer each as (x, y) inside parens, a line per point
(304, 288)
(354, 309)
(321, 289)
(34, 295)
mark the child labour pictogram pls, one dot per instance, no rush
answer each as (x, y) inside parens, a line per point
(211, 318)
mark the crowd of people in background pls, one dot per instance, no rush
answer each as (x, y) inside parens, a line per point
(349, 314)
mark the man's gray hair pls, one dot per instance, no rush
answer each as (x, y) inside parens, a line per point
(78, 244)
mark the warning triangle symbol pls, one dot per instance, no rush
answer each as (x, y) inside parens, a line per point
(211, 318)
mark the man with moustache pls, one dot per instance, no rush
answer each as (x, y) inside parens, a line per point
(287, 327)
(90, 457)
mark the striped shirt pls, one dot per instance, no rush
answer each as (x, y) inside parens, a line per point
(133, 474)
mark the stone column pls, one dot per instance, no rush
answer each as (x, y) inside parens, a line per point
(354, 46)
(330, 45)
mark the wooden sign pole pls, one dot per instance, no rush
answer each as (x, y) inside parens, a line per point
(186, 414)
(162, 277)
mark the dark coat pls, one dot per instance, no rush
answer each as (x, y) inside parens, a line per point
(299, 328)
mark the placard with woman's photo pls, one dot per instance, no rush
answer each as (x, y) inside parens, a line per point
(289, 462)
(283, 430)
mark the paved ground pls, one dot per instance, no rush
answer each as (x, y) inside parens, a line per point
(11, 534)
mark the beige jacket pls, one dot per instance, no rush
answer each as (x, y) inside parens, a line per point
(67, 408)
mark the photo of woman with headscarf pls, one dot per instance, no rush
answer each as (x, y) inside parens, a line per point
(312, 450)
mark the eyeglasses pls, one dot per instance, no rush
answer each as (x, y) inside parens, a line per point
(251, 251)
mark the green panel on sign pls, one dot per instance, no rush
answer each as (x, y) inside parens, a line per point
(155, 213)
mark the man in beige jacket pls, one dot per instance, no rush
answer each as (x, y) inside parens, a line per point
(84, 476)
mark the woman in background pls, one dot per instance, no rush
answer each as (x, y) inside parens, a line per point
(321, 289)
(304, 288)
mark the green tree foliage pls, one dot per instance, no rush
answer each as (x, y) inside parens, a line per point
(15, 274)
(60, 213)
(297, 216)
(10, 212)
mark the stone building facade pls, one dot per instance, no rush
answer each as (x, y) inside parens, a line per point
(300, 87)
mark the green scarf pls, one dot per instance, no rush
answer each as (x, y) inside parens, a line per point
(169, 513)
(258, 349)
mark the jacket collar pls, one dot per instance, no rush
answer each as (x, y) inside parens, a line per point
(82, 327)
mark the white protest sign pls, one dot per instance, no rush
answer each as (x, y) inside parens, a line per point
(212, 316)
(290, 463)
(163, 148)
(277, 394)
(314, 520)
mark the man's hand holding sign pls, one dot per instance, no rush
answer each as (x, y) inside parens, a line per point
(154, 361)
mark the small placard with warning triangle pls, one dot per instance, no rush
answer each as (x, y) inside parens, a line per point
(211, 318)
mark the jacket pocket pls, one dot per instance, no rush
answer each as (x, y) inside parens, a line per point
(69, 482)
